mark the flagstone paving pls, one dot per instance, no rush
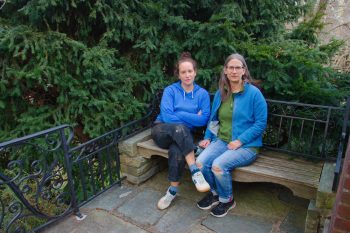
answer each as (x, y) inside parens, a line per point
(261, 207)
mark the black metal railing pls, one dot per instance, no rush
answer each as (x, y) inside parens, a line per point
(307, 130)
(43, 177)
(36, 185)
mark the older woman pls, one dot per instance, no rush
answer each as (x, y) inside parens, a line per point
(234, 133)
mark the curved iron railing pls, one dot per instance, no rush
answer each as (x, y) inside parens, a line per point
(49, 179)
(38, 177)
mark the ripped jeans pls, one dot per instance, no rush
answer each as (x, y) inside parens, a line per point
(179, 140)
(217, 162)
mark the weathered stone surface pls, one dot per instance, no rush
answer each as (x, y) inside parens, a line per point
(237, 223)
(287, 196)
(128, 146)
(138, 171)
(257, 198)
(336, 19)
(200, 229)
(181, 217)
(96, 221)
(111, 199)
(133, 161)
(142, 209)
(142, 178)
(312, 218)
(259, 209)
(325, 196)
(295, 221)
(324, 214)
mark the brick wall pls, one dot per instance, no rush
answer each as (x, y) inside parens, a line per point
(340, 220)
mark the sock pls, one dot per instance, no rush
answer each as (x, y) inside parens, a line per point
(193, 168)
(172, 190)
(230, 200)
(214, 192)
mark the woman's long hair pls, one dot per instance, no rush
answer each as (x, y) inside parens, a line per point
(224, 82)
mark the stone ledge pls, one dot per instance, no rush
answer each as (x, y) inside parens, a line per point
(142, 178)
(312, 218)
(137, 161)
(138, 171)
(129, 146)
(325, 196)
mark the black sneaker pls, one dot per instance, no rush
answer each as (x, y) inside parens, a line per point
(222, 209)
(208, 201)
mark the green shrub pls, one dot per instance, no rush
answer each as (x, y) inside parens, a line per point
(94, 64)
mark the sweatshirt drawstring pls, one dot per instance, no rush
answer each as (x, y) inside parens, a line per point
(185, 95)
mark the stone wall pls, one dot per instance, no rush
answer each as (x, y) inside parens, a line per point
(337, 26)
(136, 168)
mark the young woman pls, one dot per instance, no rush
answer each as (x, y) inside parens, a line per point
(234, 133)
(184, 106)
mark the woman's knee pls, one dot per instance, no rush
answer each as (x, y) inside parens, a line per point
(204, 160)
(204, 164)
(199, 164)
(182, 130)
(217, 170)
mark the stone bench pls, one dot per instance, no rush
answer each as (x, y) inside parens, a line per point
(141, 159)
(303, 135)
(299, 175)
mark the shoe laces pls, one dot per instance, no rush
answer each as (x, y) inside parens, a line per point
(198, 177)
(169, 197)
(221, 205)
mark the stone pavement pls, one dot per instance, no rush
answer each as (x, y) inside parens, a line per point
(261, 207)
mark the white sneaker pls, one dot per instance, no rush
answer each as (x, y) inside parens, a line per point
(165, 201)
(200, 183)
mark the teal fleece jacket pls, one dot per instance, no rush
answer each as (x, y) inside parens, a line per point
(249, 117)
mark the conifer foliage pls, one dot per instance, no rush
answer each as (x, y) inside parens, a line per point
(95, 63)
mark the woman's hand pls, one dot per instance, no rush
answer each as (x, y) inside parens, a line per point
(204, 143)
(234, 145)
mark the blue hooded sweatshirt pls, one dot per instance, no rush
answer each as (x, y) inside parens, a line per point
(179, 107)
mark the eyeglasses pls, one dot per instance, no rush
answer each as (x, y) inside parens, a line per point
(237, 68)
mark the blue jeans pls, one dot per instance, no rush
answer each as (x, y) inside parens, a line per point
(217, 162)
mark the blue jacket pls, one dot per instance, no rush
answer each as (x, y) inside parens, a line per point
(249, 117)
(179, 107)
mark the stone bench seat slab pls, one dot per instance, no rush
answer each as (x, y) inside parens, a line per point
(299, 175)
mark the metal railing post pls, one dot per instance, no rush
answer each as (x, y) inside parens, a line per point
(68, 165)
(338, 165)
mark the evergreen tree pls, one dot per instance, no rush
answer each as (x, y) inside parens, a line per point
(94, 64)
